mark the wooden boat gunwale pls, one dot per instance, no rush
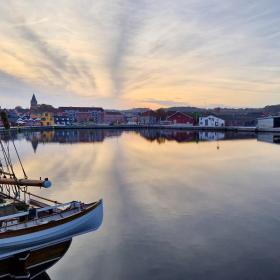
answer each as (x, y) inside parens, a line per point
(38, 210)
(18, 232)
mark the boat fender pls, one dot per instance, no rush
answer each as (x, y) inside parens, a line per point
(47, 183)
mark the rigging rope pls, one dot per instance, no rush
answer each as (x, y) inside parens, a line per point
(7, 159)
(22, 168)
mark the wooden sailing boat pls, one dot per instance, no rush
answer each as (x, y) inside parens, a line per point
(28, 220)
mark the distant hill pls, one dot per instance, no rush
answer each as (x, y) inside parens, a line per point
(270, 109)
(185, 109)
(273, 109)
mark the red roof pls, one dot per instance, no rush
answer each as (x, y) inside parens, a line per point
(113, 113)
(80, 109)
(180, 117)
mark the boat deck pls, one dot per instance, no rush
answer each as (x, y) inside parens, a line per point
(16, 225)
(38, 216)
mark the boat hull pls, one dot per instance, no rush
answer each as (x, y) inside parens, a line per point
(31, 264)
(90, 221)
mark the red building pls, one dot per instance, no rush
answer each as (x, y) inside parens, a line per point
(113, 117)
(83, 116)
(181, 118)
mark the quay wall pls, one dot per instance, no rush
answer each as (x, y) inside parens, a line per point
(136, 127)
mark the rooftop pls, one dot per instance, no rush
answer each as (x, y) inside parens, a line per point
(81, 109)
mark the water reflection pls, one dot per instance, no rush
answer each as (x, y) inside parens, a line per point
(32, 264)
(178, 210)
(273, 138)
(99, 135)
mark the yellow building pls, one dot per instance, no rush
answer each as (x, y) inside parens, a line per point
(47, 119)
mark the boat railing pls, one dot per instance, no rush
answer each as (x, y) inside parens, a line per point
(14, 216)
(73, 204)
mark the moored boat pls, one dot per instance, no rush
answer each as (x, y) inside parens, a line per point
(28, 220)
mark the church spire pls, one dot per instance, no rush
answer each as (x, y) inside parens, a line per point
(33, 103)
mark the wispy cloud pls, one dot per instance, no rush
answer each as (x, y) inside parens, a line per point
(165, 103)
(194, 52)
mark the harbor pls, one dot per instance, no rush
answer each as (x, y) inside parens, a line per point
(139, 140)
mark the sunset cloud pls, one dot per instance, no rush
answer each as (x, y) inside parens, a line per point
(133, 53)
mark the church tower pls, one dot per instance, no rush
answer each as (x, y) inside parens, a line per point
(33, 103)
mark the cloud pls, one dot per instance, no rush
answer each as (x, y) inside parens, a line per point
(165, 103)
(41, 61)
(129, 19)
(10, 84)
(197, 52)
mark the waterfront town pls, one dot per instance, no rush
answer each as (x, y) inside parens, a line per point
(45, 115)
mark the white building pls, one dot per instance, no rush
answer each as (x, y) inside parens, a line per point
(211, 121)
(269, 122)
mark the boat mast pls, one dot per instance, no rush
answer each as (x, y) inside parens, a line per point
(6, 166)
(8, 179)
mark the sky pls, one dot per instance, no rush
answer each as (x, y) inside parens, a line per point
(140, 53)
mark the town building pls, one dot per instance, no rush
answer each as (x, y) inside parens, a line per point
(28, 122)
(35, 115)
(148, 117)
(83, 117)
(269, 122)
(211, 121)
(132, 117)
(42, 112)
(62, 120)
(181, 118)
(47, 119)
(113, 117)
(132, 120)
(20, 122)
(82, 114)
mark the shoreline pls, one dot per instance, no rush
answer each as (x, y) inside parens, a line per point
(137, 127)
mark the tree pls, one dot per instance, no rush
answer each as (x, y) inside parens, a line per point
(161, 114)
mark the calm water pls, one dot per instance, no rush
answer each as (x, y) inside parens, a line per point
(175, 205)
